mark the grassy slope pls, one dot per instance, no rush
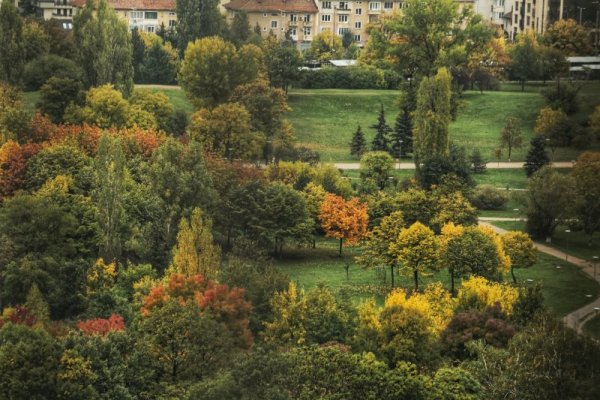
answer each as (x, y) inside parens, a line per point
(564, 288)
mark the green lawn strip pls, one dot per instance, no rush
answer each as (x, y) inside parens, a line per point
(575, 243)
(592, 327)
(512, 209)
(565, 289)
(179, 99)
(503, 178)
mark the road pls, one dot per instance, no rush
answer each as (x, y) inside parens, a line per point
(579, 317)
(490, 165)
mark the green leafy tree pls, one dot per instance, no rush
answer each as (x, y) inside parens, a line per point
(326, 46)
(432, 117)
(38, 306)
(586, 174)
(138, 52)
(519, 247)
(375, 169)
(569, 38)
(240, 28)
(382, 130)
(525, 61)
(56, 94)
(282, 62)
(197, 19)
(35, 39)
(536, 156)
(38, 71)
(212, 68)
(454, 384)
(416, 248)
(103, 46)
(478, 162)
(12, 51)
(511, 135)
(160, 65)
(358, 145)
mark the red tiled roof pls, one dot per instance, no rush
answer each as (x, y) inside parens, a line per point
(304, 6)
(166, 5)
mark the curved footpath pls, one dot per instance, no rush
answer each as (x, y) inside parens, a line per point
(579, 317)
(490, 165)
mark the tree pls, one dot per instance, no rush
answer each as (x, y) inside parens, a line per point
(478, 162)
(326, 46)
(447, 382)
(377, 245)
(381, 141)
(343, 219)
(525, 60)
(160, 65)
(56, 94)
(554, 126)
(511, 135)
(197, 19)
(138, 52)
(375, 169)
(103, 47)
(416, 248)
(12, 51)
(195, 252)
(586, 174)
(36, 41)
(569, 37)
(432, 117)
(402, 136)
(536, 156)
(155, 103)
(213, 68)
(38, 306)
(226, 131)
(549, 201)
(519, 247)
(282, 61)
(479, 294)
(240, 28)
(358, 145)
(595, 121)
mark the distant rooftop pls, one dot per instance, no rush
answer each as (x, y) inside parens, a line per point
(343, 63)
(160, 5)
(584, 60)
(289, 6)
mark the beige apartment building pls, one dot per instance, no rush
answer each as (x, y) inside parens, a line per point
(298, 17)
(146, 15)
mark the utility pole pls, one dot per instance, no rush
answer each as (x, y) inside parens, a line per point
(580, 13)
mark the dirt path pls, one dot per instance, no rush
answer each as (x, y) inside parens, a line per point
(579, 317)
(490, 165)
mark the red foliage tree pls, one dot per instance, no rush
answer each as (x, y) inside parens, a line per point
(101, 326)
(19, 315)
(13, 165)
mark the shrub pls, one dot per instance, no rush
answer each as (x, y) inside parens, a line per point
(487, 197)
(38, 71)
(359, 77)
(562, 97)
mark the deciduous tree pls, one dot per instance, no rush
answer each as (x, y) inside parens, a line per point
(344, 219)
(569, 37)
(586, 174)
(510, 136)
(519, 247)
(12, 51)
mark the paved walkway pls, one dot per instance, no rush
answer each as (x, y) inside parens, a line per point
(490, 165)
(579, 317)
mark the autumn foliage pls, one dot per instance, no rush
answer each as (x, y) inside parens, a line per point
(101, 326)
(219, 301)
(343, 219)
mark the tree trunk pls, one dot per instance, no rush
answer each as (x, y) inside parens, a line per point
(392, 273)
(416, 275)
(452, 283)
(512, 272)
(341, 239)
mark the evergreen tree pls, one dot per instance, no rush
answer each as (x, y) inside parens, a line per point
(159, 66)
(478, 162)
(536, 156)
(36, 303)
(402, 135)
(139, 51)
(381, 141)
(240, 28)
(358, 145)
(12, 47)
(197, 19)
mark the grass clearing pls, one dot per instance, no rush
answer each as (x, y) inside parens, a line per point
(564, 288)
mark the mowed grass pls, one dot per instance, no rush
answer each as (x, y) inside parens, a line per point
(565, 289)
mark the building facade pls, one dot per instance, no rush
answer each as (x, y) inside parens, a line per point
(515, 16)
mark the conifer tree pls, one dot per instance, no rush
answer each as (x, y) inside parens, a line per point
(37, 305)
(381, 141)
(402, 134)
(358, 146)
(536, 156)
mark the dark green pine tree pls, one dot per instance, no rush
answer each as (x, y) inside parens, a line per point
(402, 134)
(380, 141)
(358, 146)
(536, 156)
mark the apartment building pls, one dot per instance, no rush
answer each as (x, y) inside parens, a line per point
(515, 16)
(61, 10)
(298, 17)
(146, 15)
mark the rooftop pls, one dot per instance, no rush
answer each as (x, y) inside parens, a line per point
(167, 5)
(289, 6)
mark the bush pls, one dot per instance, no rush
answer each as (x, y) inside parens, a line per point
(487, 197)
(38, 71)
(359, 77)
(562, 97)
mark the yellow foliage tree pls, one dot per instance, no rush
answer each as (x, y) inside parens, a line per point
(195, 253)
(503, 258)
(101, 277)
(519, 247)
(479, 293)
(289, 309)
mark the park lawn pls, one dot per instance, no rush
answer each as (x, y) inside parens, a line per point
(512, 209)
(575, 243)
(177, 98)
(592, 327)
(564, 288)
(503, 178)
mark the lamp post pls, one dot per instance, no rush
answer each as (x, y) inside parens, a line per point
(399, 152)
(580, 13)
(595, 263)
(567, 231)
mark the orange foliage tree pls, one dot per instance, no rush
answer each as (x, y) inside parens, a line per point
(101, 326)
(343, 219)
(13, 165)
(223, 304)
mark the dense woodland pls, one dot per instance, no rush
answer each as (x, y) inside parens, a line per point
(137, 245)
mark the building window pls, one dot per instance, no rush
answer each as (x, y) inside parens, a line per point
(293, 32)
(326, 4)
(137, 15)
(264, 15)
(357, 38)
(273, 24)
(344, 5)
(374, 6)
(341, 31)
(528, 7)
(358, 25)
(306, 32)
(171, 14)
(151, 15)
(307, 18)
(388, 5)
(172, 23)
(343, 18)
(325, 18)
(325, 29)
(358, 11)
(150, 29)
(293, 17)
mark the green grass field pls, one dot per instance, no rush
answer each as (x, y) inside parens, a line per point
(565, 289)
